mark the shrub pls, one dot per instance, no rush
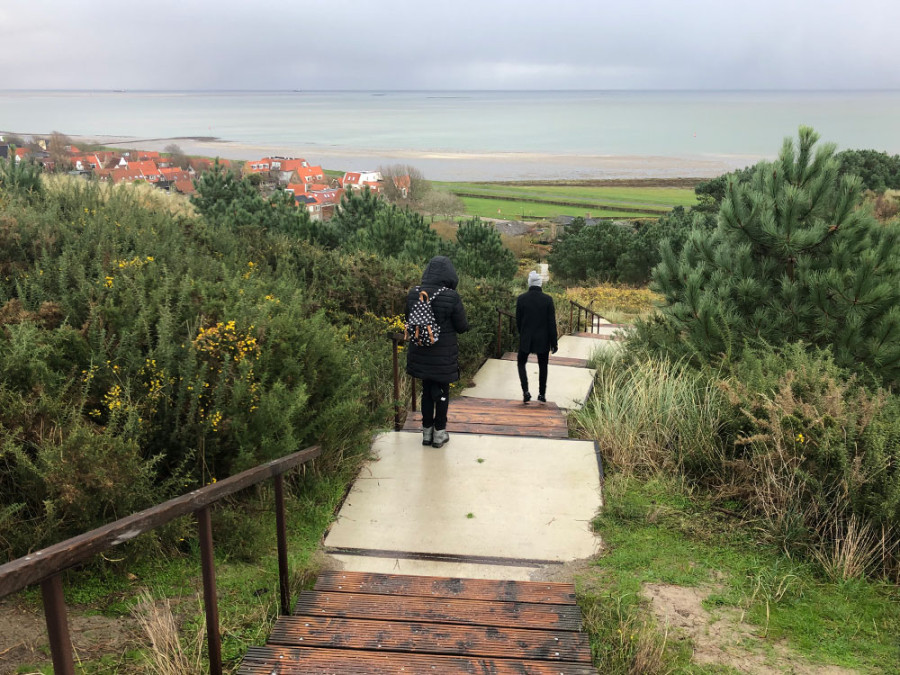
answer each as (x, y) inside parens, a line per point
(792, 259)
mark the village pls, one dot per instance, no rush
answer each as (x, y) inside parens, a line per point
(174, 172)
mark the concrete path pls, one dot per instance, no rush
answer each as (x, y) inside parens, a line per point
(513, 502)
(482, 506)
(566, 386)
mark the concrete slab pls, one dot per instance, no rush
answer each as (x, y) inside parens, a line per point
(528, 499)
(568, 387)
(574, 347)
(431, 568)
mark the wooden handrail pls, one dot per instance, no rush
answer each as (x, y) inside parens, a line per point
(45, 566)
(36, 567)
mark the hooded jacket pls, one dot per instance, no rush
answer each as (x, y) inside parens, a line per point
(439, 362)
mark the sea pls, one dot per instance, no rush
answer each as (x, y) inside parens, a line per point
(501, 134)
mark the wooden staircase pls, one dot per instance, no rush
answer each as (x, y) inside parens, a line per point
(357, 622)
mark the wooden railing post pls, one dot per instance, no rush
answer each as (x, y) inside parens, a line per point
(57, 625)
(397, 425)
(210, 601)
(499, 332)
(284, 579)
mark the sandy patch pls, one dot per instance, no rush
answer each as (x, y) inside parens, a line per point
(725, 639)
(456, 166)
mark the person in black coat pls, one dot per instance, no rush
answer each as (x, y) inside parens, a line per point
(437, 365)
(536, 321)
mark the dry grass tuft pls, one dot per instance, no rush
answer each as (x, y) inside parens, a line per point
(167, 655)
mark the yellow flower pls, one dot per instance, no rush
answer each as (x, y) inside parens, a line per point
(109, 282)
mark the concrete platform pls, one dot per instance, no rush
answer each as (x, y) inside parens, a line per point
(568, 387)
(528, 502)
(582, 348)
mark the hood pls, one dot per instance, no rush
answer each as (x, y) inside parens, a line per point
(440, 272)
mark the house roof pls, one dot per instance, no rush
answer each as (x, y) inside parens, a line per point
(185, 186)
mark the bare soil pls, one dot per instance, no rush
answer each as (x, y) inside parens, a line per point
(23, 636)
(724, 639)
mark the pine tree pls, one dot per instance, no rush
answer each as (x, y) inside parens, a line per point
(480, 251)
(793, 258)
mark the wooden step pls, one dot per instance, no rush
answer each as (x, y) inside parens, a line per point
(500, 417)
(439, 610)
(360, 622)
(301, 660)
(553, 360)
(430, 638)
(447, 587)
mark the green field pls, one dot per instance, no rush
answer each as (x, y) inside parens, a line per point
(519, 210)
(549, 200)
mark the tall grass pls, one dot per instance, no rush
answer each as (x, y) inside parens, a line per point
(651, 415)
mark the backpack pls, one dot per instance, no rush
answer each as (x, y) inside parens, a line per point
(422, 328)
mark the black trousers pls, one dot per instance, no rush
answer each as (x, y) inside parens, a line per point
(435, 401)
(542, 371)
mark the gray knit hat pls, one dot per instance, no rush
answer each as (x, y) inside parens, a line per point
(534, 279)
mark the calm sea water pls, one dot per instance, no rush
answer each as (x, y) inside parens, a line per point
(582, 123)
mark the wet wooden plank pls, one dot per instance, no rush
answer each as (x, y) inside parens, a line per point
(447, 587)
(553, 360)
(430, 638)
(414, 423)
(481, 403)
(301, 660)
(442, 610)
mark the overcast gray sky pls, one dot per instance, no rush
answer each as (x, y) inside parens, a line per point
(455, 44)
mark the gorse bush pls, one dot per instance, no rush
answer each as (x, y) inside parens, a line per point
(146, 349)
(815, 452)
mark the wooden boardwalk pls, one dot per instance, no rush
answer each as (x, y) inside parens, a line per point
(365, 622)
(358, 622)
(501, 417)
(553, 360)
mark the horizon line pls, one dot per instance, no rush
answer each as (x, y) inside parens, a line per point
(124, 90)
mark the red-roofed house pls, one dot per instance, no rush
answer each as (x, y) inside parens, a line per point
(357, 180)
(403, 184)
(185, 186)
(324, 203)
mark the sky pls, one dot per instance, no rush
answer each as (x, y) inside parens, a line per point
(460, 44)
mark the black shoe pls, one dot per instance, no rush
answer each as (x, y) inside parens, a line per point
(542, 398)
(526, 396)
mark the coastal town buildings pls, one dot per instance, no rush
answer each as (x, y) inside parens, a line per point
(312, 189)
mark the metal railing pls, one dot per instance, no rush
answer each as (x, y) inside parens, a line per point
(576, 312)
(511, 321)
(45, 567)
(396, 341)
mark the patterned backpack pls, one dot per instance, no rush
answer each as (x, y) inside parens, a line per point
(422, 328)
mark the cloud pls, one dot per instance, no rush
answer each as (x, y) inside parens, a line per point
(496, 44)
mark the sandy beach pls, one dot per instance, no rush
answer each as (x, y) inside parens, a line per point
(456, 166)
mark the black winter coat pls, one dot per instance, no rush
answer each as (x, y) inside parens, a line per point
(439, 362)
(536, 321)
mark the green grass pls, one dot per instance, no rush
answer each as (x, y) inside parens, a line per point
(664, 198)
(656, 532)
(488, 208)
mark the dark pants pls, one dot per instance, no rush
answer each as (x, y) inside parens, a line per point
(542, 371)
(435, 401)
